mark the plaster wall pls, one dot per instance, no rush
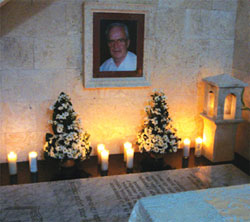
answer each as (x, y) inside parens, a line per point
(241, 70)
(41, 55)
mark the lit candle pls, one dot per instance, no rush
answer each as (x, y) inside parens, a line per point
(105, 160)
(198, 147)
(130, 158)
(12, 157)
(100, 148)
(127, 145)
(33, 162)
(186, 148)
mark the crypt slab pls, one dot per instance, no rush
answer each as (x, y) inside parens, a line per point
(108, 198)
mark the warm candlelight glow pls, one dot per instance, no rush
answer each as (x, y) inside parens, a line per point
(187, 141)
(198, 140)
(130, 158)
(33, 161)
(100, 148)
(32, 154)
(104, 160)
(211, 99)
(12, 158)
(186, 148)
(230, 107)
(198, 147)
(127, 145)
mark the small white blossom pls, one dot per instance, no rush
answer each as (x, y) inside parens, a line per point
(59, 128)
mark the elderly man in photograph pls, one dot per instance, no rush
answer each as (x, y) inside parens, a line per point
(118, 42)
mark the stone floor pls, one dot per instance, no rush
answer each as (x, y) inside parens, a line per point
(110, 198)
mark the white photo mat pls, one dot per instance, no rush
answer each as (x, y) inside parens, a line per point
(88, 10)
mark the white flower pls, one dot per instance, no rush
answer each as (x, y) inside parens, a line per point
(74, 145)
(172, 142)
(65, 105)
(156, 149)
(66, 142)
(175, 148)
(59, 128)
(64, 150)
(165, 146)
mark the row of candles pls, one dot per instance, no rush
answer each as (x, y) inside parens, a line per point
(12, 159)
(198, 147)
(103, 156)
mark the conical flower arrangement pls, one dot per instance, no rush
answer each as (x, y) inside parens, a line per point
(157, 135)
(69, 141)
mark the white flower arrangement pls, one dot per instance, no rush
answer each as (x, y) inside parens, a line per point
(157, 135)
(69, 140)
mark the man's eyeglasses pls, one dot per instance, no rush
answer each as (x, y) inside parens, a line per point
(118, 41)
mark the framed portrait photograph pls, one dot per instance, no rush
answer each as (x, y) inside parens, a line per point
(118, 45)
(115, 45)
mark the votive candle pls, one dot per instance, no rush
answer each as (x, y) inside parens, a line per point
(33, 161)
(12, 158)
(100, 148)
(127, 145)
(198, 147)
(130, 158)
(186, 148)
(104, 160)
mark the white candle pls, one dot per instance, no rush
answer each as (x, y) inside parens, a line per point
(186, 148)
(105, 160)
(33, 162)
(130, 158)
(127, 145)
(100, 148)
(198, 147)
(12, 157)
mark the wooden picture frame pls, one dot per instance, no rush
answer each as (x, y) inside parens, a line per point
(135, 24)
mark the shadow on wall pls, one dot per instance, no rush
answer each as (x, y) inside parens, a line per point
(23, 13)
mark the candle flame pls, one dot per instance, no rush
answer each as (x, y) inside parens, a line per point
(12, 155)
(101, 147)
(33, 154)
(127, 145)
(198, 140)
(187, 141)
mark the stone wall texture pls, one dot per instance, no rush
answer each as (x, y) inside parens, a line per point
(241, 70)
(41, 56)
